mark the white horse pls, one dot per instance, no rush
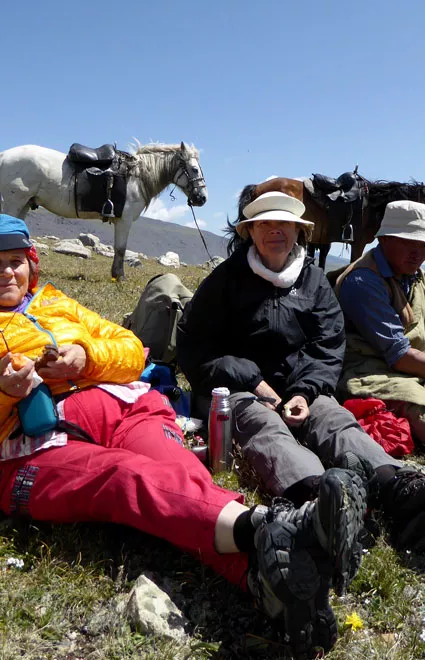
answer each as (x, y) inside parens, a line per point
(31, 175)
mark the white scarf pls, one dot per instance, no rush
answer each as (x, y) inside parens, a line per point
(289, 273)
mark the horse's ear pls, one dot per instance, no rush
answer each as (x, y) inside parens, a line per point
(182, 147)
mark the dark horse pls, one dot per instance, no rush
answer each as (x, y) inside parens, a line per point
(379, 194)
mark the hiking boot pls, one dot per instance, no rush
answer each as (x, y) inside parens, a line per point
(370, 530)
(334, 520)
(319, 628)
(325, 627)
(330, 523)
(403, 500)
(301, 553)
(284, 582)
(364, 469)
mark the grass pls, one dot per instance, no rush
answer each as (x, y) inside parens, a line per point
(63, 604)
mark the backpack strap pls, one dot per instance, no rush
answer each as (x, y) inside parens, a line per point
(74, 430)
(62, 425)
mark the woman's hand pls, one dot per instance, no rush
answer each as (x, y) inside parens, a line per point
(70, 364)
(296, 411)
(18, 383)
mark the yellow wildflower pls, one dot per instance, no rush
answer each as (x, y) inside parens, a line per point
(354, 621)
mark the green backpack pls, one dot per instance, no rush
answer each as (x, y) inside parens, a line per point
(156, 315)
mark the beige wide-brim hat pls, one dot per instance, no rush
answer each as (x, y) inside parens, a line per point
(403, 219)
(272, 206)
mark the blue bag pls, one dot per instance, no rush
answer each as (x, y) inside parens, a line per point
(37, 412)
(162, 378)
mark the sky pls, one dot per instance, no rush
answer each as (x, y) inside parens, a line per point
(261, 88)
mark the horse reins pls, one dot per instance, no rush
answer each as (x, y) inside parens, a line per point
(191, 181)
(200, 233)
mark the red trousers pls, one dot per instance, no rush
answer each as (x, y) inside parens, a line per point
(138, 474)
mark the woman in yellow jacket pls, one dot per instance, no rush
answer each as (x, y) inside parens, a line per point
(115, 453)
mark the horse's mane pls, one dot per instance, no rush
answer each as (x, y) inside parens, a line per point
(381, 192)
(159, 147)
(154, 165)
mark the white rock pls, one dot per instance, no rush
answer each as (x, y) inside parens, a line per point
(42, 248)
(51, 238)
(129, 255)
(214, 262)
(105, 253)
(90, 240)
(76, 249)
(134, 263)
(104, 250)
(71, 241)
(170, 259)
(39, 245)
(151, 611)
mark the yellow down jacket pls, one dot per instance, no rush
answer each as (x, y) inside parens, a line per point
(114, 354)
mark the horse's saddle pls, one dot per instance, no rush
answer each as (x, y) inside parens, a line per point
(347, 187)
(104, 155)
(100, 180)
(344, 198)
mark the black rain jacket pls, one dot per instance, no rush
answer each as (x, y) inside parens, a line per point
(240, 329)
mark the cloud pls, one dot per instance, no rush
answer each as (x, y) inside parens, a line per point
(159, 211)
(219, 214)
(201, 223)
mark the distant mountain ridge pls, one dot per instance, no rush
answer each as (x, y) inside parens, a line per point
(152, 237)
(332, 262)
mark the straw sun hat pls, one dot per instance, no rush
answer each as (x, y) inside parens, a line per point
(272, 206)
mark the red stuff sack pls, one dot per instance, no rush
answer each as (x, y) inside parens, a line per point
(391, 432)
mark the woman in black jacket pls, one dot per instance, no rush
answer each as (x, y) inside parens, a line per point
(266, 324)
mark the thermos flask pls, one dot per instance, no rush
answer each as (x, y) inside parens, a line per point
(220, 431)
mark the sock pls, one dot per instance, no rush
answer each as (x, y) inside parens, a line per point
(304, 490)
(385, 474)
(244, 530)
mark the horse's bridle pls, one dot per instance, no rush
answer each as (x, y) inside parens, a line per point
(192, 182)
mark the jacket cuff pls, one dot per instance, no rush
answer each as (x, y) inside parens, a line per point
(308, 396)
(255, 381)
